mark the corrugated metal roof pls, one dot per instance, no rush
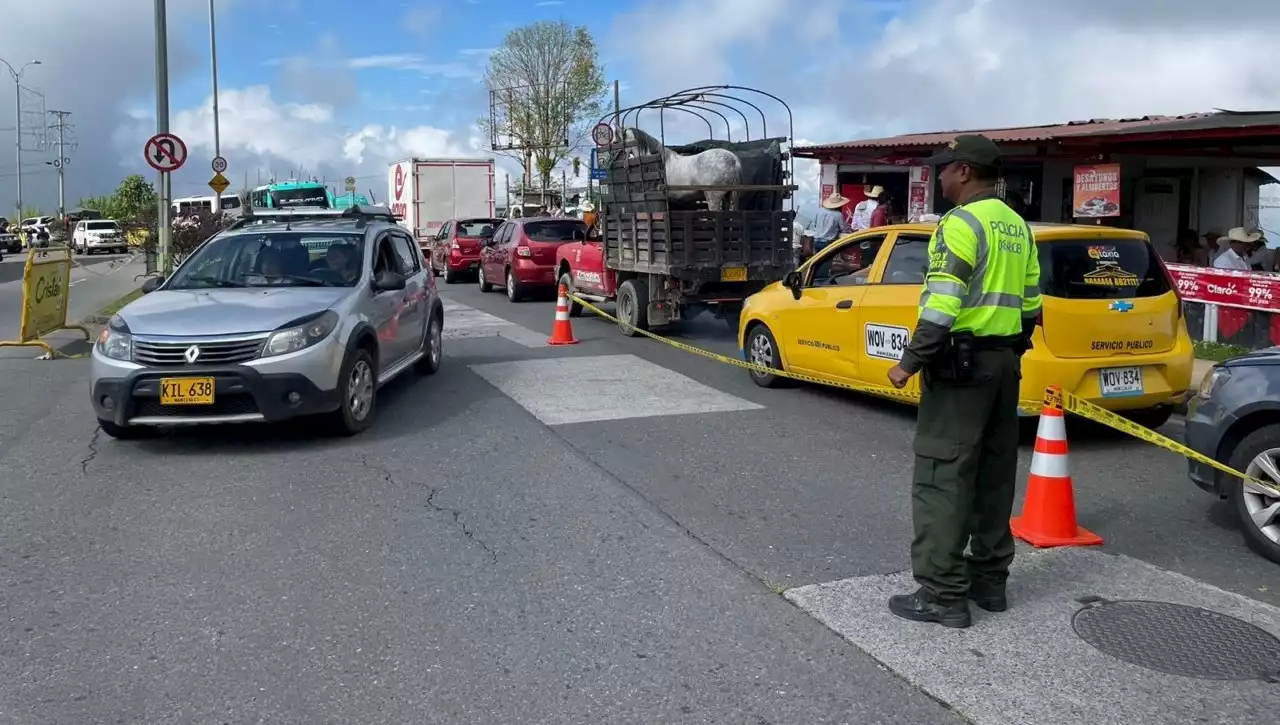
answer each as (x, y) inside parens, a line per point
(1031, 134)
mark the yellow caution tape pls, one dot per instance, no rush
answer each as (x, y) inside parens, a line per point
(1054, 397)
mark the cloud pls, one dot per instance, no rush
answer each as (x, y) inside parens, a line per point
(423, 20)
(316, 80)
(99, 65)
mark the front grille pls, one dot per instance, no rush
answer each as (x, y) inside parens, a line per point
(171, 354)
(229, 404)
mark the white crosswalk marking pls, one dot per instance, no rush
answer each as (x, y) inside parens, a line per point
(462, 322)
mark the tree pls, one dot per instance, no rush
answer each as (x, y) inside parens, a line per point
(548, 88)
(132, 196)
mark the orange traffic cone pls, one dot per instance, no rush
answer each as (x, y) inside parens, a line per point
(562, 331)
(1049, 508)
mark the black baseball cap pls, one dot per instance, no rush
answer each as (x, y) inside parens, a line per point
(971, 148)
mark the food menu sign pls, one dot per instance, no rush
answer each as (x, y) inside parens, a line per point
(1097, 191)
(1228, 287)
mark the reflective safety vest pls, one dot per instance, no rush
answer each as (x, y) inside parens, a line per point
(984, 272)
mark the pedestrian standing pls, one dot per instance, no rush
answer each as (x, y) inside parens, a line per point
(829, 224)
(977, 312)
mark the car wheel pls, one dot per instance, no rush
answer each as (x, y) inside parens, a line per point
(1258, 510)
(450, 276)
(1151, 418)
(484, 285)
(433, 346)
(358, 389)
(515, 291)
(633, 307)
(566, 281)
(761, 348)
(125, 432)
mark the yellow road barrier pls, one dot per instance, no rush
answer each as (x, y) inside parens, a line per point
(46, 288)
(1054, 397)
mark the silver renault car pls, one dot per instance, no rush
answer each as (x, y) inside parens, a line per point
(285, 314)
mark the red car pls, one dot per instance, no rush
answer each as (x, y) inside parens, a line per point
(455, 251)
(521, 255)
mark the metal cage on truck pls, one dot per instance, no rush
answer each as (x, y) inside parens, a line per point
(694, 254)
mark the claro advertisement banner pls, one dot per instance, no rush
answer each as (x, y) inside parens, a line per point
(1227, 287)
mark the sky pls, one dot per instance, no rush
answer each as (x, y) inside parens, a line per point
(333, 88)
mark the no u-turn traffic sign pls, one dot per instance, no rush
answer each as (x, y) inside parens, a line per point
(165, 152)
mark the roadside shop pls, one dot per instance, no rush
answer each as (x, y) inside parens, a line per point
(1156, 174)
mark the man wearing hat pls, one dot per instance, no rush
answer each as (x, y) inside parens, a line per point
(1239, 245)
(866, 208)
(829, 223)
(977, 312)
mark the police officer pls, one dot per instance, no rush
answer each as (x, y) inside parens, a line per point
(977, 311)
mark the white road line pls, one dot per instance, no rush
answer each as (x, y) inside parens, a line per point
(558, 391)
(462, 323)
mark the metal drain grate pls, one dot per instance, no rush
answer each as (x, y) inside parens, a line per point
(1179, 640)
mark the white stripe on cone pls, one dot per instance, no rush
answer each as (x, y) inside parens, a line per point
(1050, 465)
(562, 315)
(1052, 428)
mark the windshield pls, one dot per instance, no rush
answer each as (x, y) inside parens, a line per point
(285, 199)
(102, 226)
(1100, 269)
(274, 259)
(555, 230)
(477, 227)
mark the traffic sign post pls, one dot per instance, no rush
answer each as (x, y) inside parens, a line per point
(219, 184)
(219, 164)
(165, 152)
(597, 173)
(602, 134)
(351, 184)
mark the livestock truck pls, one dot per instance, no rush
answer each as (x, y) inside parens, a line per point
(661, 260)
(426, 193)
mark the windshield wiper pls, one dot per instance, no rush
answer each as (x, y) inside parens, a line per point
(215, 281)
(306, 281)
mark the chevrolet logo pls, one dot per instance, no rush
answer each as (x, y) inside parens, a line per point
(1121, 306)
(192, 353)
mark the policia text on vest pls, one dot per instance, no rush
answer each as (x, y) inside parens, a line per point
(977, 310)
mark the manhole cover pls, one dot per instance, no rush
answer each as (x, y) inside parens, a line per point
(1180, 640)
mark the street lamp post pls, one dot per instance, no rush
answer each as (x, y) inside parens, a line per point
(17, 115)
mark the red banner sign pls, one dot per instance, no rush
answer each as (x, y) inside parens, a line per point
(1229, 287)
(1097, 191)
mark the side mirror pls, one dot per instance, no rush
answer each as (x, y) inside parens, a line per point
(151, 285)
(793, 282)
(389, 282)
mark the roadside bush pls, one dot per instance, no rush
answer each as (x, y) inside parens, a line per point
(186, 232)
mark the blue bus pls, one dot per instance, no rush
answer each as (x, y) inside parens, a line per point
(291, 194)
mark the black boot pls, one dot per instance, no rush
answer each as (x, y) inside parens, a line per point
(922, 606)
(991, 599)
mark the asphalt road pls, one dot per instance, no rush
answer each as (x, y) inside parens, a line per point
(591, 534)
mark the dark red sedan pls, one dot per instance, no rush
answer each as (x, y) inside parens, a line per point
(521, 255)
(456, 249)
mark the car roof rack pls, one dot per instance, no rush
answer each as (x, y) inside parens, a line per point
(362, 213)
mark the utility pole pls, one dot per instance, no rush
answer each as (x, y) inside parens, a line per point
(213, 64)
(17, 116)
(162, 126)
(61, 127)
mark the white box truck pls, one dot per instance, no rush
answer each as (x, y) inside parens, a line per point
(425, 193)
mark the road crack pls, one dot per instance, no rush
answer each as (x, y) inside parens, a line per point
(458, 522)
(93, 451)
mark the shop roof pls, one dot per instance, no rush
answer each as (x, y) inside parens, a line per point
(1094, 127)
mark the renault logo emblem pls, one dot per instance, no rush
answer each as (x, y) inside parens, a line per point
(192, 353)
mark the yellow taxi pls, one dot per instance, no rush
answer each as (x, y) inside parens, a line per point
(1111, 330)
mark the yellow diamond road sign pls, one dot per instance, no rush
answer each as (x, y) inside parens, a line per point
(219, 183)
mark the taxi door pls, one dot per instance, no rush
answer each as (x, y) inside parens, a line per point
(820, 329)
(888, 313)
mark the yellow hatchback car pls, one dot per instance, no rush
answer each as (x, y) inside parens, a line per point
(1111, 330)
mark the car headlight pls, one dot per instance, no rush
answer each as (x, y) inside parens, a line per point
(1213, 381)
(301, 336)
(115, 340)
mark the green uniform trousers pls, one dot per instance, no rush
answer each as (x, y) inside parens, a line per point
(966, 463)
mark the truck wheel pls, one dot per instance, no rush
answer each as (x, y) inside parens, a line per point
(1250, 504)
(633, 307)
(761, 348)
(484, 286)
(566, 281)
